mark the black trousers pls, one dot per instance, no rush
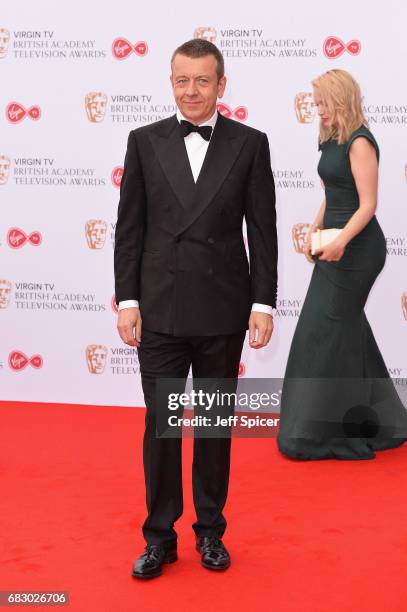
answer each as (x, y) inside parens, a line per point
(167, 356)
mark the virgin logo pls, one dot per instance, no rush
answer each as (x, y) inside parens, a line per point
(122, 48)
(16, 238)
(18, 361)
(242, 369)
(15, 112)
(117, 176)
(115, 307)
(334, 47)
(240, 112)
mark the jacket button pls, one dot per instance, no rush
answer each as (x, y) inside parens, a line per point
(211, 241)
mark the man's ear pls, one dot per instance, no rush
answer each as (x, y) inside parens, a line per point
(221, 86)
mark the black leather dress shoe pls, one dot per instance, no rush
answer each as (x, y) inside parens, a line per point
(214, 555)
(150, 563)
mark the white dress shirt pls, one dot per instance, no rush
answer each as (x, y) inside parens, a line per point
(197, 147)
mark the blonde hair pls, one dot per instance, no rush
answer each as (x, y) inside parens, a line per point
(342, 97)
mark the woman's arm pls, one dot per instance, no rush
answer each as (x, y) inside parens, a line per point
(317, 223)
(320, 216)
(364, 167)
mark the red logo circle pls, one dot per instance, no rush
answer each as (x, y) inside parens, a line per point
(334, 47)
(122, 48)
(15, 112)
(117, 175)
(240, 112)
(18, 361)
(16, 238)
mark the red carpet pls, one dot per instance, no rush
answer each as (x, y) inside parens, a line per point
(320, 537)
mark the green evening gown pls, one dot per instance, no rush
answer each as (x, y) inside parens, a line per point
(337, 399)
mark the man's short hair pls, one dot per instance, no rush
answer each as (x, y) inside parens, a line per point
(198, 47)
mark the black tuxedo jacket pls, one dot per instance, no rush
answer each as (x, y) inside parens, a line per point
(179, 246)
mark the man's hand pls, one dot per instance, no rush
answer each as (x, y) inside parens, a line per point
(260, 329)
(129, 326)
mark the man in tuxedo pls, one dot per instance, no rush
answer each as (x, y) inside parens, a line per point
(185, 293)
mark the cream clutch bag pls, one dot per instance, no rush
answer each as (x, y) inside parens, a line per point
(321, 238)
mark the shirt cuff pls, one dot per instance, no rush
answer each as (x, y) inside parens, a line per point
(128, 304)
(262, 308)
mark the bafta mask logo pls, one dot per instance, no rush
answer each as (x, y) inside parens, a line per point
(334, 47)
(404, 304)
(4, 169)
(96, 356)
(4, 42)
(299, 235)
(5, 293)
(95, 105)
(115, 307)
(117, 175)
(305, 108)
(208, 34)
(18, 361)
(96, 230)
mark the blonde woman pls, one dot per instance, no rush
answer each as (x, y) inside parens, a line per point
(338, 400)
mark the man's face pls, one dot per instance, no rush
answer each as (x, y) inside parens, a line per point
(4, 40)
(5, 289)
(96, 107)
(196, 86)
(4, 169)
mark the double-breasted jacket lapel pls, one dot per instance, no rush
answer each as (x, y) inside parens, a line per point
(224, 147)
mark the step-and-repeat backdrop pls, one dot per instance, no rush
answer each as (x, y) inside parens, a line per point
(76, 79)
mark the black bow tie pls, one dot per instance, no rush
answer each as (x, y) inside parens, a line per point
(204, 130)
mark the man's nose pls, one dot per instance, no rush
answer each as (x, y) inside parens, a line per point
(191, 89)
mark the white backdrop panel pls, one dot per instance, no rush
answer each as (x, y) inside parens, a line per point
(55, 171)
